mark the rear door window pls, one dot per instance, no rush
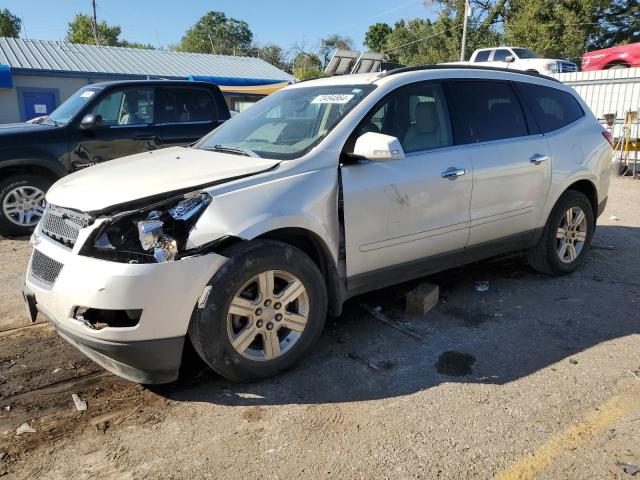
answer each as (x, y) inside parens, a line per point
(552, 108)
(485, 111)
(184, 105)
(501, 55)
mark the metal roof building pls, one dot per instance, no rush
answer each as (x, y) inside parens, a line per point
(44, 73)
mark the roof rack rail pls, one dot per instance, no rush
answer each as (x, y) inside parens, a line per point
(463, 67)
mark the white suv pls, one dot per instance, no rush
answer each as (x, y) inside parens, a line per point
(324, 190)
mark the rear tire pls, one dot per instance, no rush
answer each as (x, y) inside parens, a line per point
(265, 309)
(566, 237)
(22, 201)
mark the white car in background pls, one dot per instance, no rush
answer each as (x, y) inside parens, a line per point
(517, 58)
(322, 191)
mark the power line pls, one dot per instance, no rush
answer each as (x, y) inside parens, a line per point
(423, 38)
(631, 20)
(502, 21)
(384, 13)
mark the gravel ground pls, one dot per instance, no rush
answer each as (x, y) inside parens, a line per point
(536, 377)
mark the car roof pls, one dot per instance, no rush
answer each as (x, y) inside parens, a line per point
(378, 77)
(188, 83)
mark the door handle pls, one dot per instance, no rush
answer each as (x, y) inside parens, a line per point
(453, 172)
(538, 158)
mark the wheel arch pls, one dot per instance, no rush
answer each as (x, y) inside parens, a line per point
(614, 63)
(51, 170)
(311, 244)
(588, 188)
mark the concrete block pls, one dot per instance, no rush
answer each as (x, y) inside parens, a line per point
(422, 299)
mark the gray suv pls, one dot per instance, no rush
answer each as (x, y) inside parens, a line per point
(324, 190)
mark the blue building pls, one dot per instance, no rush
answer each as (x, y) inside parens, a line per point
(37, 75)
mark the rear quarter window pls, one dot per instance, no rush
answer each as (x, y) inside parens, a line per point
(552, 108)
(184, 105)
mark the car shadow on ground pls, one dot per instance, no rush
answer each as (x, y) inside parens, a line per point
(524, 322)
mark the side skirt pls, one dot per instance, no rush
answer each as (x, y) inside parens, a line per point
(385, 277)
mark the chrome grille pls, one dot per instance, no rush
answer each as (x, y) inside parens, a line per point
(568, 67)
(44, 268)
(63, 225)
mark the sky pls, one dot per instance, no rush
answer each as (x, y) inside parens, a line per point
(163, 22)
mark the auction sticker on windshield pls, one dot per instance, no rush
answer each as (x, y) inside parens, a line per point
(332, 98)
(87, 94)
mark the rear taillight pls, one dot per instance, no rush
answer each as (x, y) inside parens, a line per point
(609, 136)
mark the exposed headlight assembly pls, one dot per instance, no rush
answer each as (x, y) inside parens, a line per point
(157, 233)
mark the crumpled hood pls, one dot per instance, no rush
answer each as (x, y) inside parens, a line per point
(149, 174)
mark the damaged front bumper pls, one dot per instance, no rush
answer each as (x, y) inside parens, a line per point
(62, 285)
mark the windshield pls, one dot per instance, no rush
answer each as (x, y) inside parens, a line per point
(71, 106)
(287, 124)
(524, 53)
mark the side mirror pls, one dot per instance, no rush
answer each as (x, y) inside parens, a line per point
(378, 147)
(509, 58)
(91, 121)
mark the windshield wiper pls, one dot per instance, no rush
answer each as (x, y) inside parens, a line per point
(50, 121)
(233, 150)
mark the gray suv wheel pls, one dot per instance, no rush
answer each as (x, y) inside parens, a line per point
(566, 236)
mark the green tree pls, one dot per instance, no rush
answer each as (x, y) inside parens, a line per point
(144, 46)
(215, 33)
(420, 42)
(553, 29)
(376, 37)
(273, 54)
(307, 65)
(619, 23)
(332, 43)
(81, 31)
(10, 25)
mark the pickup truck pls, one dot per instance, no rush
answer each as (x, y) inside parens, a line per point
(518, 58)
(98, 123)
(621, 56)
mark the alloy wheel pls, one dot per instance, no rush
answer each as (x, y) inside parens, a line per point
(571, 234)
(267, 315)
(24, 206)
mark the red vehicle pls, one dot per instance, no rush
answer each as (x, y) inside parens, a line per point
(622, 56)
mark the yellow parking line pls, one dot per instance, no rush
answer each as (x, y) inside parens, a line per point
(574, 436)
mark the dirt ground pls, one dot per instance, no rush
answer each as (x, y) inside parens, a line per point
(536, 377)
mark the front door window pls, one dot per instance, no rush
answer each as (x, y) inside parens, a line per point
(126, 107)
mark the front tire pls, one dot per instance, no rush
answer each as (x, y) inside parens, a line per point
(265, 309)
(566, 236)
(22, 202)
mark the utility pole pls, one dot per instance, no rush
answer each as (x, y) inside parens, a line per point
(95, 23)
(467, 14)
